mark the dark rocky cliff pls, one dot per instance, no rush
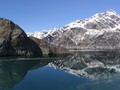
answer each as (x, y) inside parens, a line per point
(14, 41)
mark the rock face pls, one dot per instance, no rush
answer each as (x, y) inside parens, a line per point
(49, 49)
(108, 40)
(14, 41)
(101, 31)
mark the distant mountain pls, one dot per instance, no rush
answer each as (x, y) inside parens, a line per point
(101, 31)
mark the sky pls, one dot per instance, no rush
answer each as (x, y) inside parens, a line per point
(37, 15)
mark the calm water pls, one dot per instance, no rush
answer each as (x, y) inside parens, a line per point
(78, 71)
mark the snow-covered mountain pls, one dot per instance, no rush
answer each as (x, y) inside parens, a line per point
(42, 34)
(101, 31)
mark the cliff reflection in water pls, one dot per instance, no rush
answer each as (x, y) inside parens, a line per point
(13, 70)
(92, 65)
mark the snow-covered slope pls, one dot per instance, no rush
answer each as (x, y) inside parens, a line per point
(40, 35)
(82, 33)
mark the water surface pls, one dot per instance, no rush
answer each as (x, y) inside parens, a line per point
(77, 71)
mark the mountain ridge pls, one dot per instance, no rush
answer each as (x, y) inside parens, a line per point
(82, 33)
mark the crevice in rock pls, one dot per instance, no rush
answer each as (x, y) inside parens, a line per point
(9, 47)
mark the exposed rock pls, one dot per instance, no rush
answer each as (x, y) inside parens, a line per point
(109, 40)
(14, 41)
(49, 48)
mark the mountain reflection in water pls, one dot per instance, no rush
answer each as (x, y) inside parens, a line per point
(92, 65)
(99, 68)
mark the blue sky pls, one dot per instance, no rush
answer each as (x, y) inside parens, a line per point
(36, 15)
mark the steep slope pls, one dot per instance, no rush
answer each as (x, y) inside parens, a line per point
(49, 49)
(84, 34)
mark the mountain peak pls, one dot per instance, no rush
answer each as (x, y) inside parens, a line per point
(107, 13)
(111, 12)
